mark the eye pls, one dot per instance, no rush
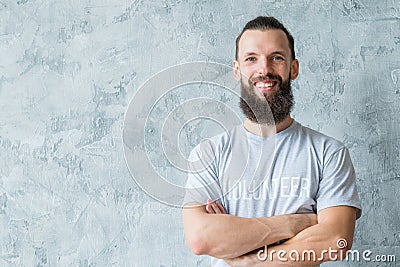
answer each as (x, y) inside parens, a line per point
(251, 59)
(277, 58)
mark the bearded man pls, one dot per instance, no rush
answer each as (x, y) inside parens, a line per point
(271, 181)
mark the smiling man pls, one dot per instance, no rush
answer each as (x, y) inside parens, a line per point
(270, 181)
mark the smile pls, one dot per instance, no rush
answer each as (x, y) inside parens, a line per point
(265, 86)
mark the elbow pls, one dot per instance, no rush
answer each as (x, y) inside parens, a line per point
(342, 241)
(197, 245)
(200, 246)
(201, 239)
(343, 244)
(196, 236)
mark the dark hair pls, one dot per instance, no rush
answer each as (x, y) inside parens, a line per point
(263, 24)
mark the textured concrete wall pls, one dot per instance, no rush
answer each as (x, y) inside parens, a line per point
(69, 68)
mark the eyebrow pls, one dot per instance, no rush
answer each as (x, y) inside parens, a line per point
(280, 52)
(250, 53)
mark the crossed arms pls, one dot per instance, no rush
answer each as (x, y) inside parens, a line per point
(209, 230)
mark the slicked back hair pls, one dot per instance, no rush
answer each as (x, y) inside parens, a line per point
(262, 24)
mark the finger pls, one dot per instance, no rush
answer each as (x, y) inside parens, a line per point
(209, 209)
(215, 208)
(221, 208)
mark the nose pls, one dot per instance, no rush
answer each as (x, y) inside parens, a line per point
(264, 67)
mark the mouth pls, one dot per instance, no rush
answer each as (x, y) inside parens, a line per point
(265, 86)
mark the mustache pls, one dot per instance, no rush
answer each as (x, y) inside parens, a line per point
(266, 78)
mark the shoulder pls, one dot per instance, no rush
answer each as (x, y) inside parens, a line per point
(322, 142)
(218, 144)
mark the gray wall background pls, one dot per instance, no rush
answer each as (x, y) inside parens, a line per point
(69, 68)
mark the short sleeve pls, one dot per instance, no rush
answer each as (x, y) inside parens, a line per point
(338, 183)
(202, 179)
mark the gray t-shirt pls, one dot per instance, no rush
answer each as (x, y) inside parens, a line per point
(298, 170)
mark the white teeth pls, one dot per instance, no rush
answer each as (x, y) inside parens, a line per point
(268, 84)
(265, 85)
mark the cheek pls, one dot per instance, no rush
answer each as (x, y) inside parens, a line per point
(284, 72)
(248, 74)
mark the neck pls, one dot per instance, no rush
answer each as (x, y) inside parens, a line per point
(267, 130)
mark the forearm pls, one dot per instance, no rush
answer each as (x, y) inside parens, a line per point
(227, 236)
(325, 241)
(224, 235)
(310, 247)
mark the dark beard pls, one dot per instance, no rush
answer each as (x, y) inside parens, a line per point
(280, 103)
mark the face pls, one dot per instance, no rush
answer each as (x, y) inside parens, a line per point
(264, 67)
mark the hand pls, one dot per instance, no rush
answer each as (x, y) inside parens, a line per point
(214, 207)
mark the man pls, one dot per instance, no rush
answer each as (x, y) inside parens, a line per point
(290, 173)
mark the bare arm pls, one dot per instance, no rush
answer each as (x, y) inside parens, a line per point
(335, 223)
(225, 236)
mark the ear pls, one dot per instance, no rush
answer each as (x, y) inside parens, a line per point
(294, 68)
(236, 71)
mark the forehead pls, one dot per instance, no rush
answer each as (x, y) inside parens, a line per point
(258, 41)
